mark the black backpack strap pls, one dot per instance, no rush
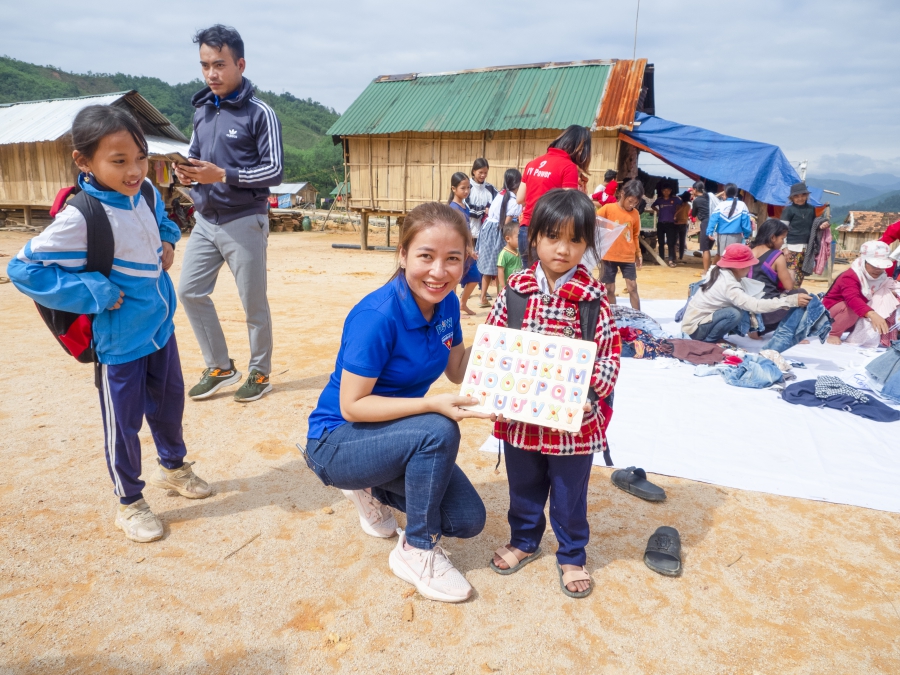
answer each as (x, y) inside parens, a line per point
(100, 243)
(589, 314)
(101, 246)
(515, 308)
(149, 196)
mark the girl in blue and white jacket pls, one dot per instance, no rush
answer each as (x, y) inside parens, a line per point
(133, 332)
(731, 217)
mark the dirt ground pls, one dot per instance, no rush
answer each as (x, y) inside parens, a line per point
(771, 584)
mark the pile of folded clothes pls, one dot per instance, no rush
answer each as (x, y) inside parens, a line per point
(832, 392)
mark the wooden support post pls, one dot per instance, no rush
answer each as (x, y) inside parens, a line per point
(27, 211)
(387, 230)
(652, 251)
(364, 231)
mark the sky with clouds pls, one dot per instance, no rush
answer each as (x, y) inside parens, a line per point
(819, 78)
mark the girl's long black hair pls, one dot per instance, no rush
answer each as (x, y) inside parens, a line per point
(559, 207)
(511, 181)
(713, 278)
(768, 231)
(576, 142)
(94, 122)
(731, 191)
(455, 180)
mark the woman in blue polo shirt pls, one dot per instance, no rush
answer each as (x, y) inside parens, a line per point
(376, 436)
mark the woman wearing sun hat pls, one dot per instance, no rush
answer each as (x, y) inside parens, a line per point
(715, 309)
(863, 293)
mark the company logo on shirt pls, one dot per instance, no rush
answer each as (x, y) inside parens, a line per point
(445, 332)
(541, 165)
(232, 133)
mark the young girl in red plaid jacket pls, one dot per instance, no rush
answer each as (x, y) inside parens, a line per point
(541, 461)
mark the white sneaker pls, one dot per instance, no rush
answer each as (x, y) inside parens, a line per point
(138, 522)
(183, 480)
(431, 572)
(375, 518)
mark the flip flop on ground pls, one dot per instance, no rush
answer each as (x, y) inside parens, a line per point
(634, 481)
(663, 554)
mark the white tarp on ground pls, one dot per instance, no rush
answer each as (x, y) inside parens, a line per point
(670, 422)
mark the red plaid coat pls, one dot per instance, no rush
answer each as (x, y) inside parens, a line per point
(551, 315)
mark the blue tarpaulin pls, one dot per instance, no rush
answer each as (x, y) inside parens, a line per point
(758, 168)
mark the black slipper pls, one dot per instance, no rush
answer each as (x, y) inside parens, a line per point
(635, 481)
(663, 554)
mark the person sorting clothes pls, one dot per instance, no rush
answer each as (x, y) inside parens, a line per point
(715, 310)
(864, 294)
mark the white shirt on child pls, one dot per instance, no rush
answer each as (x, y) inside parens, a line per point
(513, 209)
(544, 285)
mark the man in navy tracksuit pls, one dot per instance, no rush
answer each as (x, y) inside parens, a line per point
(236, 155)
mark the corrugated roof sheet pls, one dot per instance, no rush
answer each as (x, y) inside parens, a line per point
(875, 222)
(537, 96)
(157, 145)
(288, 188)
(34, 121)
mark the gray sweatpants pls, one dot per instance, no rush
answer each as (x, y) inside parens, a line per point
(242, 245)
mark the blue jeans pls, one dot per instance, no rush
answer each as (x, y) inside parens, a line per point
(724, 321)
(410, 464)
(524, 249)
(801, 323)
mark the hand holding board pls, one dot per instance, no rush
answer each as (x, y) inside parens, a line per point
(529, 377)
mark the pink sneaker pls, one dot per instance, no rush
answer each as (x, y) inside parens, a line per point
(431, 572)
(375, 518)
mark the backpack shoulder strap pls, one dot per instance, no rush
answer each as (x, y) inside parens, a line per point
(100, 243)
(516, 303)
(149, 195)
(588, 315)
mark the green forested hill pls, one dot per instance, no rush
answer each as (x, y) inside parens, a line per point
(308, 153)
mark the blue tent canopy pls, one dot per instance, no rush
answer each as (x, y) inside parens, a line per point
(758, 168)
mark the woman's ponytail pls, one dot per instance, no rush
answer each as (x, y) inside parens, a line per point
(511, 180)
(731, 190)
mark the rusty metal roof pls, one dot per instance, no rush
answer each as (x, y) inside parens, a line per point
(33, 121)
(875, 222)
(597, 94)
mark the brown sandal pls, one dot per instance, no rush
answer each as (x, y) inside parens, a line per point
(575, 575)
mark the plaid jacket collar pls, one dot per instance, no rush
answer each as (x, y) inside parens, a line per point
(581, 287)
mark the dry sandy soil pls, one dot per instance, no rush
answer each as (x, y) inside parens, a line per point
(771, 584)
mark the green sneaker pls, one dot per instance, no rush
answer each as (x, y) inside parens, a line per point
(214, 379)
(256, 385)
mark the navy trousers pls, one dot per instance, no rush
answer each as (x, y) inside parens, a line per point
(153, 386)
(532, 477)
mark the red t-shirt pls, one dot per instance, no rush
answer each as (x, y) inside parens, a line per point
(553, 170)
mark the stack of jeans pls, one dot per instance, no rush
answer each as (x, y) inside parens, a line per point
(801, 323)
(886, 371)
(754, 372)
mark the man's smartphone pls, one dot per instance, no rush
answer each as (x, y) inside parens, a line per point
(178, 158)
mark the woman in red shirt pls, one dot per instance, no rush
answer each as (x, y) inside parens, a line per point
(559, 168)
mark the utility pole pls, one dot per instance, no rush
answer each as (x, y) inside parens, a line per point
(636, 17)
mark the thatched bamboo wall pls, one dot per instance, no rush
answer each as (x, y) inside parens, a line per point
(32, 173)
(408, 169)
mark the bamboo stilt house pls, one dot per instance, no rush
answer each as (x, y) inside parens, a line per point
(36, 148)
(406, 135)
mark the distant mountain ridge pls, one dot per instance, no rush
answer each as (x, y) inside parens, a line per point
(309, 155)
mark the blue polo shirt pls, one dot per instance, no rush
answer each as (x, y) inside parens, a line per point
(387, 337)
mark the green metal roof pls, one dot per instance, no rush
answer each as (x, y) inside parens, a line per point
(542, 96)
(341, 189)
